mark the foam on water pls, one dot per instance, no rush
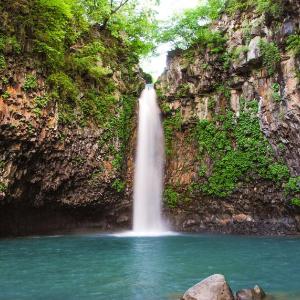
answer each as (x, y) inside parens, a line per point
(126, 234)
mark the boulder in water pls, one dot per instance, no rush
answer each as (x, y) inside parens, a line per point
(257, 293)
(212, 288)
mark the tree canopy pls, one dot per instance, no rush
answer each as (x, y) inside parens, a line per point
(191, 27)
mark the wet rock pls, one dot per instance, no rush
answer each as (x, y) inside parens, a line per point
(288, 27)
(212, 288)
(254, 52)
(245, 294)
(247, 78)
(257, 293)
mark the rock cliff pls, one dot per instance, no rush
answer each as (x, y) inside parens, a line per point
(231, 118)
(64, 131)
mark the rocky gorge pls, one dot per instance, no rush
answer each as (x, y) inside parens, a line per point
(231, 118)
(64, 134)
(230, 114)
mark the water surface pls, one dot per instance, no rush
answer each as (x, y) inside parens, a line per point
(129, 268)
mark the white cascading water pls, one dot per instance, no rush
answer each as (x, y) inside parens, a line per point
(148, 180)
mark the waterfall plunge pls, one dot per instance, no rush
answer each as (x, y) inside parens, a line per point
(148, 180)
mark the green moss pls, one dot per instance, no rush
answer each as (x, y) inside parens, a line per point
(79, 160)
(211, 104)
(224, 90)
(171, 197)
(119, 185)
(88, 61)
(40, 102)
(117, 130)
(239, 50)
(276, 92)
(295, 202)
(2, 62)
(271, 56)
(247, 27)
(271, 7)
(292, 186)
(237, 148)
(30, 83)
(171, 124)
(160, 94)
(3, 187)
(278, 172)
(63, 87)
(9, 44)
(4, 80)
(5, 95)
(182, 90)
(293, 44)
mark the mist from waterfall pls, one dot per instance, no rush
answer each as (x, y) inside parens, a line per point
(149, 166)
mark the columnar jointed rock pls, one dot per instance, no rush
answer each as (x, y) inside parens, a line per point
(200, 91)
(212, 288)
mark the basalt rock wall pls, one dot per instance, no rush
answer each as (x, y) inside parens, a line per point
(64, 134)
(231, 119)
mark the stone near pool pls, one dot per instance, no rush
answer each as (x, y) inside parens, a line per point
(214, 287)
(257, 293)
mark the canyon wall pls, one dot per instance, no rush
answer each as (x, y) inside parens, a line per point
(231, 118)
(64, 129)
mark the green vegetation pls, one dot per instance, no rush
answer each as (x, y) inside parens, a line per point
(9, 44)
(239, 50)
(293, 44)
(292, 190)
(292, 186)
(224, 91)
(192, 27)
(171, 197)
(62, 87)
(117, 130)
(79, 44)
(271, 56)
(276, 96)
(238, 149)
(54, 25)
(30, 83)
(272, 7)
(5, 95)
(2, 62)
(295, 202)
(3, 187)
(119, 185)
(40, 102)
(79, 160)
(171, 124)
(184, 31)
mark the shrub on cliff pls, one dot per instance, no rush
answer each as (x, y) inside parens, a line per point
(272, 7)
(237, 148)
(191, 28)
(293, 44)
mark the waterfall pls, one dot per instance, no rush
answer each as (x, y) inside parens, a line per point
(148, 180)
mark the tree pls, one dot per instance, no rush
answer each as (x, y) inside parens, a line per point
(129, 20)
(191, 27)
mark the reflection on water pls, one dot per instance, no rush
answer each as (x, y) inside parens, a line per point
(89, 267)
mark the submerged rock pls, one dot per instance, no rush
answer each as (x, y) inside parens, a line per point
(212, 288)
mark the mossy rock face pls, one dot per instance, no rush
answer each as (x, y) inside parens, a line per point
(232, 161)
(68, 93)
